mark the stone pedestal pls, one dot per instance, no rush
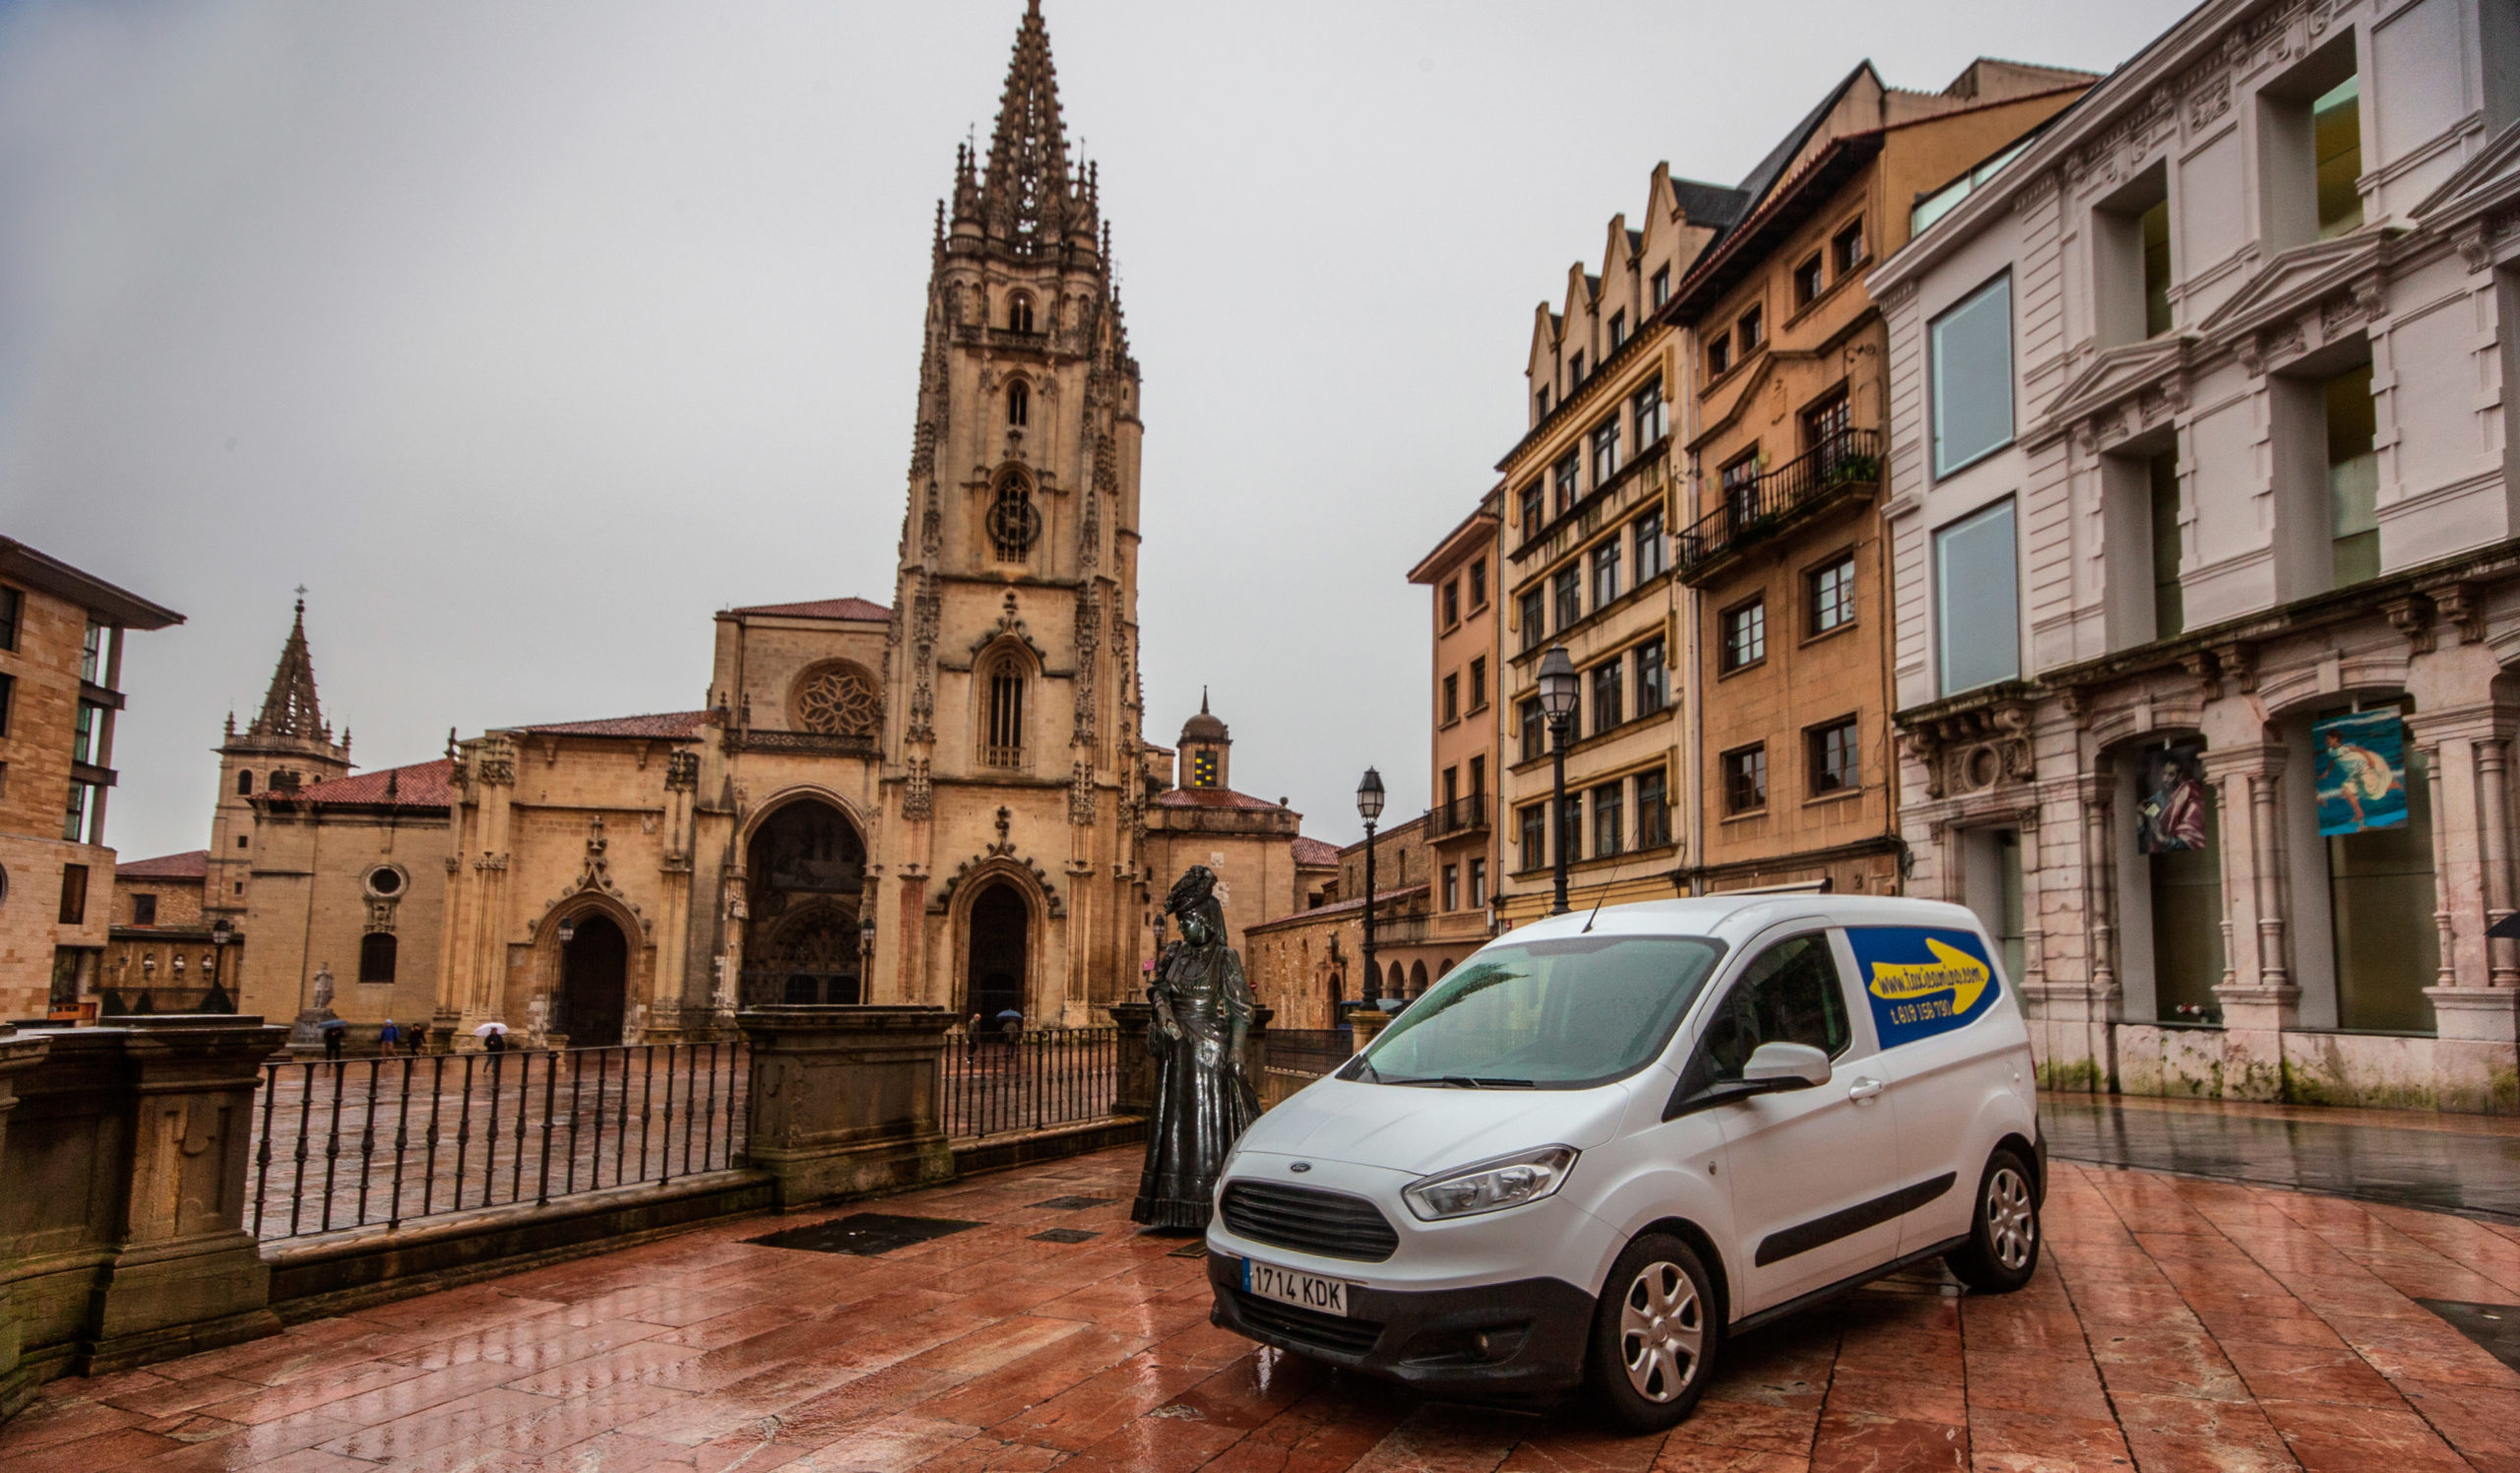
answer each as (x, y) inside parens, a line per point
(2476, 1052)
(2254, 1022)
(1135, 1092)
(19, 1053)
(1365, 1023)
(845, 1098)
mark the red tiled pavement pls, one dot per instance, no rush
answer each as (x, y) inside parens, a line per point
(2175, 1324)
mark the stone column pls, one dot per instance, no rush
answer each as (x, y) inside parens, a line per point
(1366, 1022)
(2476, 1006)
(845, 1098)
(2259, 1000)
(1135, 1094)
(19, 1054)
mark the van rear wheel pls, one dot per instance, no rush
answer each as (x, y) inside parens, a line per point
(1655, 1333)
(2003, 1229)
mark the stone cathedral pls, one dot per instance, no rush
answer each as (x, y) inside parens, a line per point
(945, 800)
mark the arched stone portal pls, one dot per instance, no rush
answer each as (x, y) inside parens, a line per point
(806, 872)
(594, 984)
(1002, 927)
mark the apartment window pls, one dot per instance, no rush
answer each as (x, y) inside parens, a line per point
(1569, 585)
(1745, 635)
(1971, 348)
(1452, 699)
(1610, 696)
(84, 743)
(1825, 426)
(2169, 604)
(1846, 248)
(2336, 133)
(1005, 745)
(1833, 757)
(1618, 331)
(1832, 586)
(11, 602)
(1452, 788)
(8, 693)
(1477, 778)
(1478, 884)
(1751, 330)
(1719, 356)
(1806, 283)
(1452, 887)
(376, 956)
(1535, 728)
(2130, 259)
(2353, 477)
(1452, 603)
(1532, 516)
(1569, 467)
(74, 895)
(1648, 545)
(1019, 405)
(1652, 423)
(1652, 812)
(1605, 572)
(92, 655)
(1575, 369)
(1746, 779)
(1608, 830)
(2310, 147)
(144, 909)
(1479, 683)
(1661, 285)
(1540, 402)
(1479, 584)
(2152, 228)
(1535, 836)
(1652, 678)
(1740, 482)
(1976, 606)
(1535, 620)
(1605, 452)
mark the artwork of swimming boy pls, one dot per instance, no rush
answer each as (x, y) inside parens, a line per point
(2361, 772)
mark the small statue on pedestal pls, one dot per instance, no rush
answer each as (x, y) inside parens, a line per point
(1202, 1098)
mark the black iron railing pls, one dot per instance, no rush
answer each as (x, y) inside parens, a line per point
(1462, 815)
(382, 1142)
(1052, 1077)
(1753, 509)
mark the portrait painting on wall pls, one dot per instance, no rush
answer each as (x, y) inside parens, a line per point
(2361, 771)
(2170, 813)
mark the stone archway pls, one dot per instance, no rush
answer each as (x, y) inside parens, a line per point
(804, 876)
(595, 983)
(998, 948)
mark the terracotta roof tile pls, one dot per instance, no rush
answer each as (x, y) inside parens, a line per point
(1315, 852)
(662, 724)
(192, 863)
(423, 785)
(1214, 798)
(823, 608)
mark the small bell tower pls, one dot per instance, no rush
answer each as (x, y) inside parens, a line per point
(287, 745)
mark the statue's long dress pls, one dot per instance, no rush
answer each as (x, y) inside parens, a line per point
(1200, 1110)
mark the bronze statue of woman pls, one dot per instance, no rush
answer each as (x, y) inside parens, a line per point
(1203, 1099)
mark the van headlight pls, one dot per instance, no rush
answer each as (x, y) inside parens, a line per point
(1490, 1186)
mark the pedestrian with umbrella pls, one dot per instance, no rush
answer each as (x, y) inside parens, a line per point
(335, 1033)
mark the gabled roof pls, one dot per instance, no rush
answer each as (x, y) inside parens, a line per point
(1315, 853)
(423, 785)
(822, 609)
(667, 723)
(192, 863)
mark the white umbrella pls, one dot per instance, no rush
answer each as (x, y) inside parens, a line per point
(487, 1029)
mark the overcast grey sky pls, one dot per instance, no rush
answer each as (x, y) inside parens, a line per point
(527, 336)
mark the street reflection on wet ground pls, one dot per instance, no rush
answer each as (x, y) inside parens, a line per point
(2451, 1163)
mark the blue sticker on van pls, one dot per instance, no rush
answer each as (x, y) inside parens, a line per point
(1922, 981)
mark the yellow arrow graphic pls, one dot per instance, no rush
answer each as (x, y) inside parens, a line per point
(1951, 967)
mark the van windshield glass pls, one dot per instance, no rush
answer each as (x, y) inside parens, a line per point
(1558, 1014)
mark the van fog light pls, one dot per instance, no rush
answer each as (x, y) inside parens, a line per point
(1490, 1186)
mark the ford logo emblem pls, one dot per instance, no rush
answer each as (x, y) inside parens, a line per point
(1300, 1166)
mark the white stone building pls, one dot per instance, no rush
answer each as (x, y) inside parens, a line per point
(2201, 439)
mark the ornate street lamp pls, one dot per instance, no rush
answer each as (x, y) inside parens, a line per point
(1370, 808)
(1557, 696)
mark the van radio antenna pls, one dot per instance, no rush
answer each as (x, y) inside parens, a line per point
(1598, 899)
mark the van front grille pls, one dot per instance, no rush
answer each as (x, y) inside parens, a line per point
(1309, 1329)
(1331, 1224)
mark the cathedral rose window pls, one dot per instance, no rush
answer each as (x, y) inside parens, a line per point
(838, 700)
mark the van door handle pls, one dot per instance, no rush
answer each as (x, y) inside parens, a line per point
(1866, 1089)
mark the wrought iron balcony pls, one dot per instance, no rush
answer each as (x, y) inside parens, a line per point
(1461, 816)
(1845, 463)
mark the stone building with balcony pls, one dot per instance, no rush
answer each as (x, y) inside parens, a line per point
(162, 955)
(1461, 829)
(1309, 966)
(61, 641)
(1584, 561)
(1783, 415)
(2201, 502)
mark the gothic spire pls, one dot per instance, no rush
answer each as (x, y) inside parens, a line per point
(1028, 193)
(290, 709)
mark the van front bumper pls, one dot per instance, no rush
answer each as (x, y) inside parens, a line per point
(1517, 1339)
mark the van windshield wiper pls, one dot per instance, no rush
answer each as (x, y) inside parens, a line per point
(1461, 1081)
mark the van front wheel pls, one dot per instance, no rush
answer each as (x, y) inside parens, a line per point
(2004, 1229)
(1654, 1334)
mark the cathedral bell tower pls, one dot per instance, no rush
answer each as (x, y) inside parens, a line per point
(1008, 852)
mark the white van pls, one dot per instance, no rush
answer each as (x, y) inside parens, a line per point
(1602, 1144)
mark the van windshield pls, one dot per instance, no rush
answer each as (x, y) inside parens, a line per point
(1557, 1014)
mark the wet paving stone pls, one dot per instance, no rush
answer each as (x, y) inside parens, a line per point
(1075, 1203)
(2174, 1323)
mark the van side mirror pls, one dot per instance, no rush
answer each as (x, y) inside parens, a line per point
(1780, 1066)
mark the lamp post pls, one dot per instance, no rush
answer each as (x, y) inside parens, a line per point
(1558, 694)
(866, 957)
(1370, 808)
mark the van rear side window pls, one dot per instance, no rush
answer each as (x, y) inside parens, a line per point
(1922, 981)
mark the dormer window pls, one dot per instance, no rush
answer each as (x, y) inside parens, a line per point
(1661, 285)
(1618, 331)
(1575, 370)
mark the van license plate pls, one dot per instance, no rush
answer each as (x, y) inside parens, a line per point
(1305, 1291)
